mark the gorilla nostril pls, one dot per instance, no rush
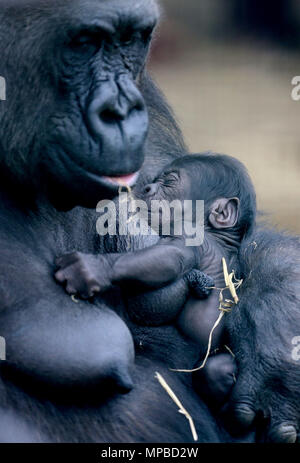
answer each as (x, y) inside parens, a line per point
(109, 116)
(117, 115)
(151, 189)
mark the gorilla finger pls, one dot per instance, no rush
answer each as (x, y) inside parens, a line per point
(283, 433)
(241, 410)
(244, 413)
(243, 400)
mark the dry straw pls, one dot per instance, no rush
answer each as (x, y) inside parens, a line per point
(175, 399)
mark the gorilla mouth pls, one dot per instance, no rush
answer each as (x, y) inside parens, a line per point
(127, 180)
(110, 183)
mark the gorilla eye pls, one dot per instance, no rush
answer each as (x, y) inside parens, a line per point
(86, 42)
(127, 35)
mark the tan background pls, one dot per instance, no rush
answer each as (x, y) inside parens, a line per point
(231, 93)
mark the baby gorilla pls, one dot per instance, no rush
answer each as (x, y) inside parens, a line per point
(168, 282)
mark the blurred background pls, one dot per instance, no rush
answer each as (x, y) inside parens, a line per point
(226, 68)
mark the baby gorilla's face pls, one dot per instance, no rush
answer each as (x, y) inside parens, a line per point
(191, 179)
(173, 183)
(170, 198)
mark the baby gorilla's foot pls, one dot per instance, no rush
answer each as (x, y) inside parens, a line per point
(215, 381)
(199, 283)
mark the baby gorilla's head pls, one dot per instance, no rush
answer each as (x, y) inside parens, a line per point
(221, 181)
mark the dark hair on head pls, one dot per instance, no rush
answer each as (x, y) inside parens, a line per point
(224, 176)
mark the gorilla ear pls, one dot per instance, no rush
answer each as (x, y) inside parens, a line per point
(224, 213)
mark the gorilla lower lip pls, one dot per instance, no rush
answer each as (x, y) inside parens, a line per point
(126, 180)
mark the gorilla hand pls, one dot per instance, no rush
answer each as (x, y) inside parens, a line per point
(268, 377)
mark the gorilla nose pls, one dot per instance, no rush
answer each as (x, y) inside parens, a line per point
(119, 107)
(117, 115)
(151, 190)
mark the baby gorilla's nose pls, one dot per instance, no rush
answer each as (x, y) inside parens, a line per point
(151, 189)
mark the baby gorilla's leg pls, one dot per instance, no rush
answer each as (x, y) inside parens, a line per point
(215, 381)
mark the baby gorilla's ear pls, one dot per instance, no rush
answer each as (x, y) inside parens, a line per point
(224, 213)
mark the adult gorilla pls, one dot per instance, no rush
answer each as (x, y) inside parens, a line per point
(74, 121)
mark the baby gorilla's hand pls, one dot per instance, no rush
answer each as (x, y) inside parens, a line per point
(84, 275)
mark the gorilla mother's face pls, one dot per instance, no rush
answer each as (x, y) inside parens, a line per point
(89, 120)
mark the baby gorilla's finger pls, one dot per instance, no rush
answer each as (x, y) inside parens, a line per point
(60, 276)
(73, 280)
(70, 290)
(67, 259)
(94, 290)
(90, 288)
(283, 433)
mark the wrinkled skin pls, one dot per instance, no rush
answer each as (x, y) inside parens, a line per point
(76, 117)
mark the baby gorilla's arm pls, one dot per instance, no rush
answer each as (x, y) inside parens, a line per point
(153, 267)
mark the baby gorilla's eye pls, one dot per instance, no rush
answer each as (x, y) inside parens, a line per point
(171, 177)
